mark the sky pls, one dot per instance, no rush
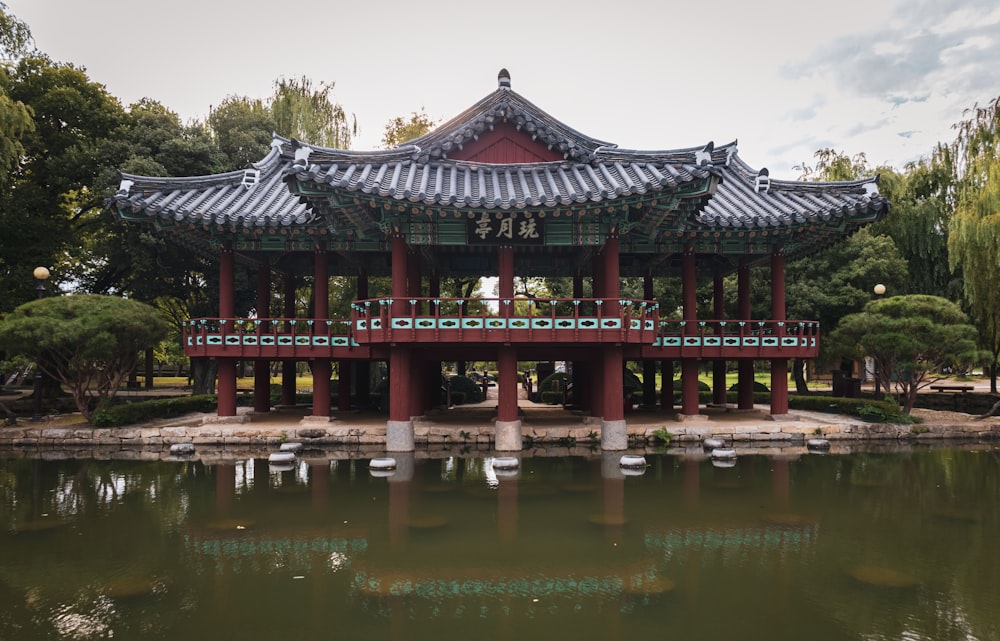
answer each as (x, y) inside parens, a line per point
(887, 78)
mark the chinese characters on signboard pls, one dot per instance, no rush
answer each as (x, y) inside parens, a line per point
(508, 229)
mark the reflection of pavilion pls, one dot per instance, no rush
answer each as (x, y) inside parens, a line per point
(502, 190)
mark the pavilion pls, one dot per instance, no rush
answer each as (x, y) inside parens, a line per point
(502, 190)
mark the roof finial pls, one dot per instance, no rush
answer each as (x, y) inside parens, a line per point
(503, 79)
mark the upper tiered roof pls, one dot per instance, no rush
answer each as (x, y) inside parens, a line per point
(702, 198)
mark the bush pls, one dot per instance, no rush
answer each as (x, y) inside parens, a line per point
(457, 398)
(472, 392)
(552, 398)
(758, 387)
(130, 413)
(547, 385)
(869, 410)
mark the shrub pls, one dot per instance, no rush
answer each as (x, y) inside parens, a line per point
(552, 398)
(472, 391)
(130, 413)
(875, 411)
(758, 388)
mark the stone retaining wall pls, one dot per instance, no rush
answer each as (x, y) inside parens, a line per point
(428, 435)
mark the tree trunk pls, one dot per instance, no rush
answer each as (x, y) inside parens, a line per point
(203, 376)
(993, 411)
(993, 377)
(460, 368)
(909, 395)
(798, 373)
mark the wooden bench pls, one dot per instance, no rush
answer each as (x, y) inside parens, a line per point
(952, 388)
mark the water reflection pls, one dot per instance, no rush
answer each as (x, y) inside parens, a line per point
(869, 545)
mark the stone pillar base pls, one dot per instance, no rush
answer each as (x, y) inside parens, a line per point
(399, 436)
(614, 435)
(508, 436)
(782, 417)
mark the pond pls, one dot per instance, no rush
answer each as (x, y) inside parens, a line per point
(867, 545)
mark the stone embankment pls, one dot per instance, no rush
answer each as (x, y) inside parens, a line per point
(242, 436)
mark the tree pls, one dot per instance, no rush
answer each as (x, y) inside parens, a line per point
(311, 115)
(59, 173)
(974, 242)
(87, 342)
(242, 129)
(838, 281)
(914, 341)
(400, 130)
(919, 223)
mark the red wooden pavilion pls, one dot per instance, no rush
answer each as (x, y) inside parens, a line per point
(502, 190)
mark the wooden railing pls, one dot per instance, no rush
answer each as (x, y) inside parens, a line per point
(531, 320)
(380, 321)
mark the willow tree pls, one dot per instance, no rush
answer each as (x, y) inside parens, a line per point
(311, 114)
(974, 239)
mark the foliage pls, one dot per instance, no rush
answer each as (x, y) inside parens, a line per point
(131, 413)
(471, 390)
(551, 398)
(914, 340)
(311, 113)
(918, 224)
(242, 129)
(882, 411)
(87, 342)
(400, 130)
(15, 35)
(63, 155)
(663, 435)
(974, 242)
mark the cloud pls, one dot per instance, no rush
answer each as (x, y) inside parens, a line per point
(925, 47)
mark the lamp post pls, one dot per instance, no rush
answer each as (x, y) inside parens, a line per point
(41, 274)
(879, 291)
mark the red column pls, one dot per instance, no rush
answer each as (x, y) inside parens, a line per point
(363, 368)
(344, 385)
(611, 288)
(321, 284)
(226, 403)
(399, 383)
(321, 371)
(288, 365)
(399, 286)
(719, 365)
(667, 385)
(506, 355)
(779, 366)
(507, 384)
(227, 268)
(322, 368)
(745, 365)
(505, 278)
(613, 384)
(689, 366)
(414, 278)
(261, 366)
(648, 367)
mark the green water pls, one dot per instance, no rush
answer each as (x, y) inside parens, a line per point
(863, 546)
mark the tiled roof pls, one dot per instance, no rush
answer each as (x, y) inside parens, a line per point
(252, 197)
(506, 105)
(398, 174)
(748, 198)
(720, 191)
